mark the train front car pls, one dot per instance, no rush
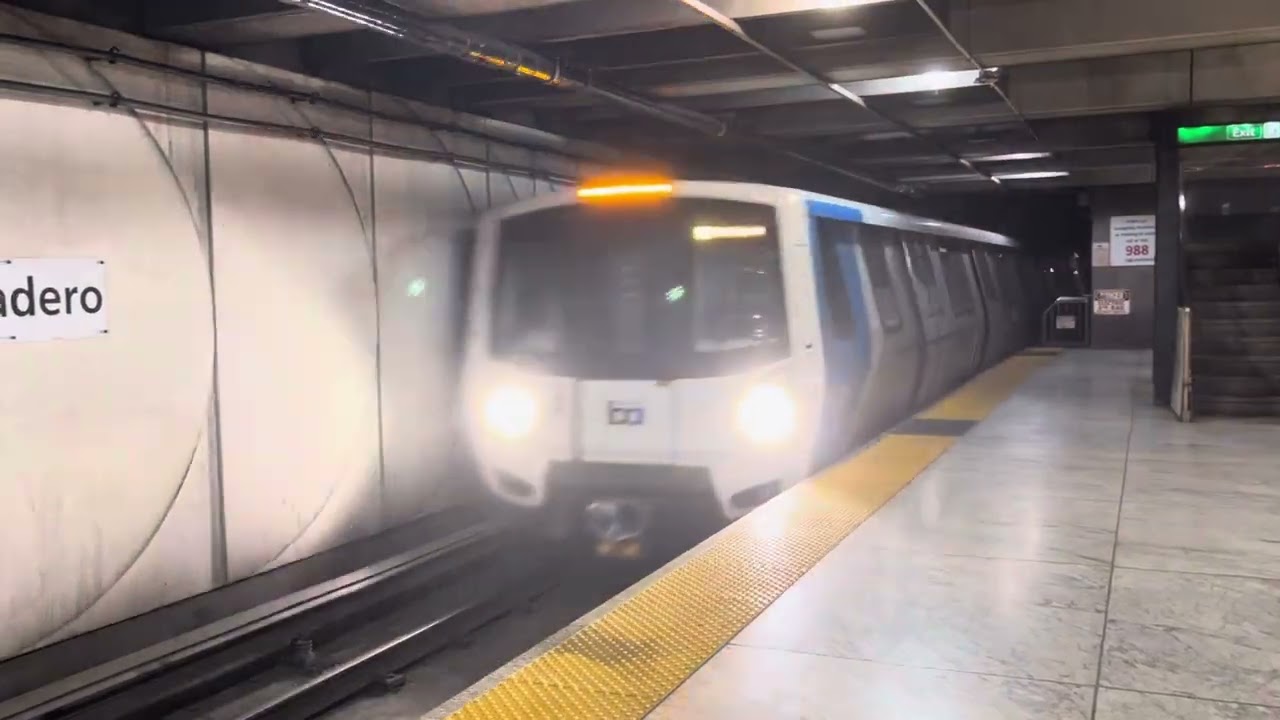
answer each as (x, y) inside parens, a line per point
(637, 359)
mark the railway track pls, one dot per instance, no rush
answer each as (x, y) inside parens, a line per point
(297, 656)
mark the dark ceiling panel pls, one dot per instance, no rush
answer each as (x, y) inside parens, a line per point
(175, 15)
(1081, 101)
(844, 61)
(742, 79)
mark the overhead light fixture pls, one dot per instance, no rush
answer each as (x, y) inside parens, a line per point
(1011, 157)
(886, 135)
(931, 81)
(944, 177)
(1038, 175)
(835, 34)
(846, 93)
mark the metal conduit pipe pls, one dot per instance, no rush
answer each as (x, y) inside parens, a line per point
(544, 143)
(390, 19)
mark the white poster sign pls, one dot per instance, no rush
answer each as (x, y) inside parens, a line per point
(1111, 302)
(1101, 254)
(1133, 240)
(52, 299)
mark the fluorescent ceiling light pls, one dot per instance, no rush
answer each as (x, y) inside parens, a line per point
(945, 177)
(852, 32)
(923, 82)
(887, 135)
(1039, 175)
(1011, 157)
(846, 93)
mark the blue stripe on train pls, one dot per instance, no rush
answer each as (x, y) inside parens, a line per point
(846, 361)
(835, 211)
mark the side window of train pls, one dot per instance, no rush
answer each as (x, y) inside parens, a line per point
(921, 265)
(832, 234)
(957, 276)
(874, 254)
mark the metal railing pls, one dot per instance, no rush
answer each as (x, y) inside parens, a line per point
(1067, 322)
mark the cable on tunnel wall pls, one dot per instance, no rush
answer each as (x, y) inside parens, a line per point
(116, 100)
(115, 56)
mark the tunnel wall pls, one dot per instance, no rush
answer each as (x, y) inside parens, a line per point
(278, 375)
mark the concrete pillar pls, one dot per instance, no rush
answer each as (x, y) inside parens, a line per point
(1168, 254)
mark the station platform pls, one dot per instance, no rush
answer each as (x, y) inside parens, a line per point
(1044, 543)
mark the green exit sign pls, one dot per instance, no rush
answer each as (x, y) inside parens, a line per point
(1239, 132)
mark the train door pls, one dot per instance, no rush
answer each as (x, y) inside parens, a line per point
(997, 325)
(967, 310)
(838, 284)
(895, 346)
(916, 348)
(931, 304)
(1015, 299)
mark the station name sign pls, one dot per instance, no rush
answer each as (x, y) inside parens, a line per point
(52, 299)
(1239, 132)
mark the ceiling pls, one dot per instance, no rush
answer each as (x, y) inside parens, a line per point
(1079, 85)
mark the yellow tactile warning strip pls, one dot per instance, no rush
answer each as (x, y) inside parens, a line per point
(975, 400)
(623, 664)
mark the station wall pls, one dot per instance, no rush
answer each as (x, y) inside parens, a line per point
(277, 378)
(1135, 330)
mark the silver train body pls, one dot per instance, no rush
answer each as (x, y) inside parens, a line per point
(654, 352)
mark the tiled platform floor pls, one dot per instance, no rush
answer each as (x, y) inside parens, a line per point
(1079, 554)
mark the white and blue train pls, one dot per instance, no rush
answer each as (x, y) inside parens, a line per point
(652, 351)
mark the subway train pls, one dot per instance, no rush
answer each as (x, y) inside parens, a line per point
(648, 354)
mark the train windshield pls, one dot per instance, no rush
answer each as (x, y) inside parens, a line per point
(674, 289)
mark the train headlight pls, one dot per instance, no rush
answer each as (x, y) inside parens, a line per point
(767, 414)
(510, 412)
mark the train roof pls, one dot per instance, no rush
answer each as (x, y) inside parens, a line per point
(828, 206)
(821, 205)
(839, 208)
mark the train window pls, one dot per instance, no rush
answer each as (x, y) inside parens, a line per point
(685, 288)
(737, 295)
(875, 255)
(957, 276)
(831, 234)
(920, 263)
(528, 308)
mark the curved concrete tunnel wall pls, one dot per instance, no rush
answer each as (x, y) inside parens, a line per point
(278, 376)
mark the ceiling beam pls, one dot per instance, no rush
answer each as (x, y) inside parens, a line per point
(1101, 86)
(538, 21)
(221, 23)
(1045, 31)
(1037, 31)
